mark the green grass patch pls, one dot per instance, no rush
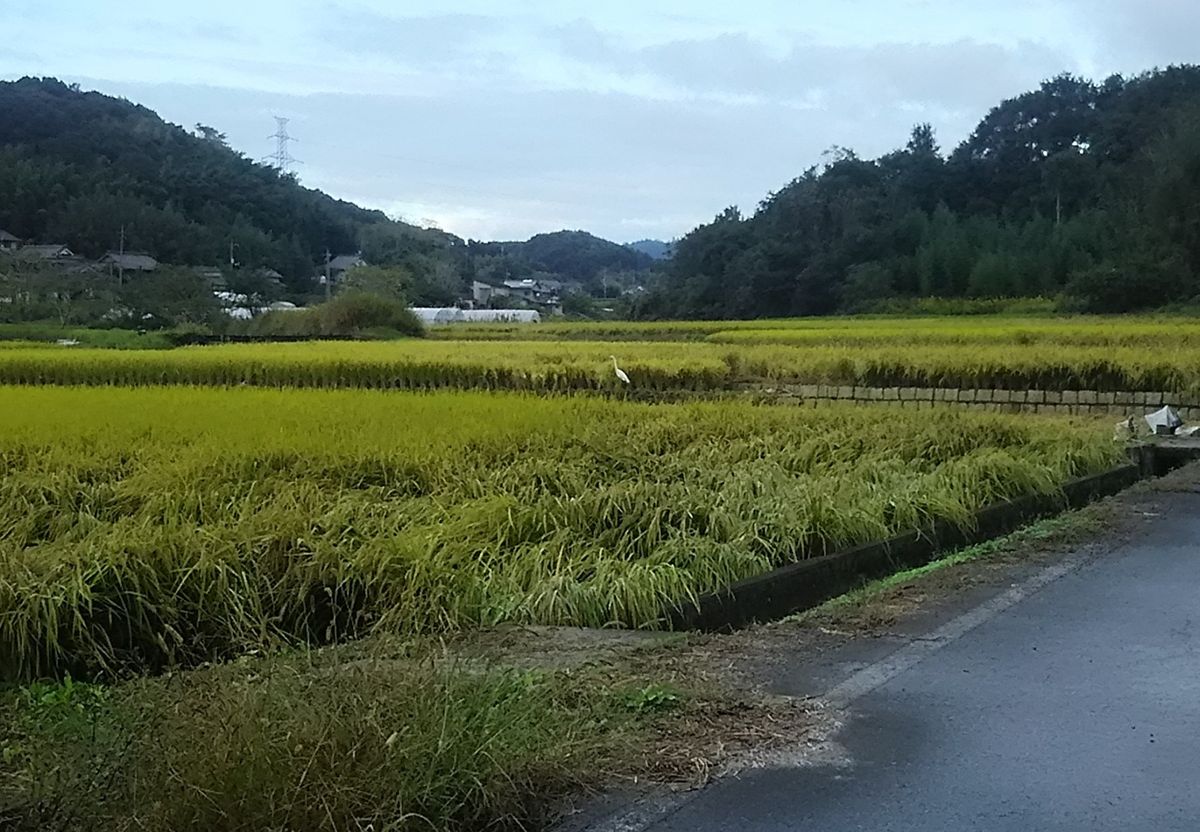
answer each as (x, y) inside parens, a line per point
(44, 333)
(283, 744)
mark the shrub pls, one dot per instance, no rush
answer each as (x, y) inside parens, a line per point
(350, 313)
(354, 312)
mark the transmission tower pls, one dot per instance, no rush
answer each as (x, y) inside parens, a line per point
(282, 158)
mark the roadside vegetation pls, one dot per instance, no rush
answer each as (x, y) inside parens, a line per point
(307, 741)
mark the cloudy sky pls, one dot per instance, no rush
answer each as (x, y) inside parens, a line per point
(630, 118)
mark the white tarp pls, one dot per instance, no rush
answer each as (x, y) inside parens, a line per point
(507, 316)
(450, 315)
(1166, 417)
(437, 314)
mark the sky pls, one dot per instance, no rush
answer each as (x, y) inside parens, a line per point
(628, 118)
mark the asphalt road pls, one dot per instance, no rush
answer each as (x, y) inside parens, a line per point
(1074, 707)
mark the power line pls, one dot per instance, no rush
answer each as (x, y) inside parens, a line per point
(282, 158)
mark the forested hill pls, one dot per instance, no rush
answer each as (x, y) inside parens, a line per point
(1088, 191)
(655, 249)
(572, 255)
(77, 166)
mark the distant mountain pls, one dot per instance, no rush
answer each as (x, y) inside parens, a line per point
(574, 256)
(578, 255)
(655, 249)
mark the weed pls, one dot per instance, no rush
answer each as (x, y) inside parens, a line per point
(651, 698)
(275, 744)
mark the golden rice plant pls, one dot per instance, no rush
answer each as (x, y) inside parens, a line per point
(1005, 353)
(145, 528)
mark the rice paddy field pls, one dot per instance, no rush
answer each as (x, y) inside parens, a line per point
(1134, 354)
(157, 526)
(164, 508)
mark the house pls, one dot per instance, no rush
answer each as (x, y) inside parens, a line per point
(57, 256)
(49, 251)
(544, 293)
(482, 293)
(341, 264)
(8, 242)
(533, 291)
(129, 261)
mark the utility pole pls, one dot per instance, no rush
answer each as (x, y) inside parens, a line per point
(327, 287)
(282, 158)
(121, 260)
(232, 262)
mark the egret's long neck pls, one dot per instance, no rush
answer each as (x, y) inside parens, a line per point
(614, 358)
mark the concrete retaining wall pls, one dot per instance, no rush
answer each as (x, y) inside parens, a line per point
(1082, 402)
(805, 584)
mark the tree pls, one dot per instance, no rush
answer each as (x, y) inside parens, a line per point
(922, 143)
(1068, 179)
(1138, 281)
(34, 291)
(167, 297)
(865, 285)
(211, 134)
(391, 282)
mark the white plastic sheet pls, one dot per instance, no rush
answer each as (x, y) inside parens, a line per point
(1166, 417)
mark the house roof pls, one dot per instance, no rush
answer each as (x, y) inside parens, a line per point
(345, 261)
(534, 285)
(5, 237)
(48, 251)
(75, 265)
(132, 260)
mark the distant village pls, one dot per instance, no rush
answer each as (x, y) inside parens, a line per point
(537, 297)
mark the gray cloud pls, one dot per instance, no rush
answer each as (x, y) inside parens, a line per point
(498, 123)
(509, 164)
(434, 39)
(1135, 35)
(952, 75)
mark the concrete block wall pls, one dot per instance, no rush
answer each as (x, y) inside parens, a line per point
(1075, 402)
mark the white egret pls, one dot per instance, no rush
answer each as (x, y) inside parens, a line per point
(620, 373)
